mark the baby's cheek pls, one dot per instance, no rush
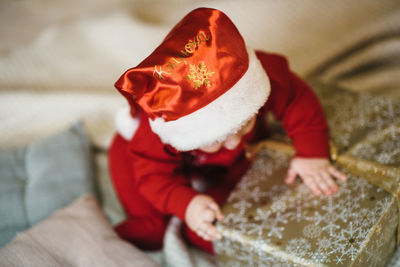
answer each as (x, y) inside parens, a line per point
(232, 141)
(212, 148)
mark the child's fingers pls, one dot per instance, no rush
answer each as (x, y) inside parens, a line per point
(291, 176)
(321, 183)
(212, 233)
(208, 232)
(329, 181)
(337, 174)
(214, 206)
(310, 183)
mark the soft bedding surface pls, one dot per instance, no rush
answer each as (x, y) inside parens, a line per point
(77, 235)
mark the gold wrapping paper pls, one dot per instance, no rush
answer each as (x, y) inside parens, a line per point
(384, 176)
(356, 119)
(365, 134)
(270, 224)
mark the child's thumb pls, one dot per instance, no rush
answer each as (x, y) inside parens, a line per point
(291, 176)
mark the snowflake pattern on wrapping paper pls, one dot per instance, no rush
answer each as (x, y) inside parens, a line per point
(299, 246)
(200, 75)
(312, 231)
(333, 228)
(365, 115)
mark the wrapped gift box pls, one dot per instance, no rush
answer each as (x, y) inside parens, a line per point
(270, 224)
(366, 123)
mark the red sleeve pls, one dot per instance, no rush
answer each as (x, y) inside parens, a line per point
(294, 103)
(156, 170)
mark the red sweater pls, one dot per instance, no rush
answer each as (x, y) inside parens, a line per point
(159, 169)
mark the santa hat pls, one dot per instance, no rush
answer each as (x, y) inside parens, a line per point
(200, 84)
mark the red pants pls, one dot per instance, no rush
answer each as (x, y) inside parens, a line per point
(145, 226)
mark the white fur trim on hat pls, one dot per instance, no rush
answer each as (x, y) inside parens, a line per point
(222, 117)
(125, 123)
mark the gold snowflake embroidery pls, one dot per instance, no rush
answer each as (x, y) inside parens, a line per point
(200, 75)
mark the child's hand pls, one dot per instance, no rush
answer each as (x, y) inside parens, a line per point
(316, 174)
(201, 212)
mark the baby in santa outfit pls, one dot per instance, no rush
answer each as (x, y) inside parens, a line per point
(195, 102)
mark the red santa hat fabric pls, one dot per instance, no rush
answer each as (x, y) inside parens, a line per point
(200, 84)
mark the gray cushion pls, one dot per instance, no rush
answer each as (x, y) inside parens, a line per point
(42, 177)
